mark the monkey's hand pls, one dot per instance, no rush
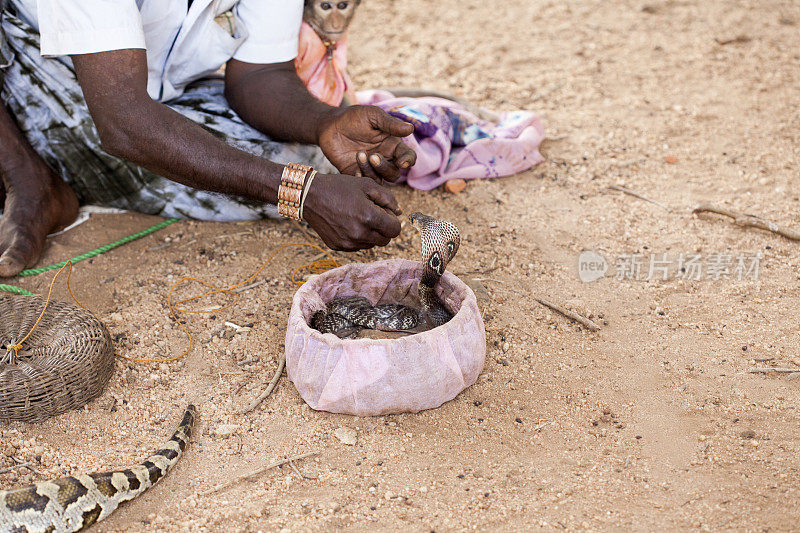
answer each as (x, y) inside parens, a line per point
(366, 141)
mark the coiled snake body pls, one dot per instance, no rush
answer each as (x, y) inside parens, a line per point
(74, 503)
(346, 316)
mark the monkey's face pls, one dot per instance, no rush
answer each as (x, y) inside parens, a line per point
(330, 18)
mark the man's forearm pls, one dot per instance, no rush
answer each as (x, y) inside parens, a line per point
(273, 99)
(167, 143)
(134, 127)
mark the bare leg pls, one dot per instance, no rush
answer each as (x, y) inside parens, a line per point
(37, 201)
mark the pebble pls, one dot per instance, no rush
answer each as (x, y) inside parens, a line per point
(225, 430)
(347, 436)
(455, 186)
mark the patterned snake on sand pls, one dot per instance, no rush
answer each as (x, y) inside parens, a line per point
(76, 502)
(346, 316)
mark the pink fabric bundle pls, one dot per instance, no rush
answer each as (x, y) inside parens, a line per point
(369, 377)
(452, 143)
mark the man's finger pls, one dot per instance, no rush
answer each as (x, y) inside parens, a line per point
(364, 167)
(404, 156)
(386, 123)
(384, 198)
(385, 223)
(384, 168)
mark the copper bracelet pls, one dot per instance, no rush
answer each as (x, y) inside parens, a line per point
(290, 191)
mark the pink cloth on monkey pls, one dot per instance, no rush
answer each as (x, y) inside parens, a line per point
(323, 70)
(452, 143)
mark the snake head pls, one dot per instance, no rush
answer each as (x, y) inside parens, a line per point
(440, 241)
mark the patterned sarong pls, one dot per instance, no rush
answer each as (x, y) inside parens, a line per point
(46, 100)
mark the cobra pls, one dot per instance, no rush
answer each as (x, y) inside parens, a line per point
(346, 316)
(76, 502)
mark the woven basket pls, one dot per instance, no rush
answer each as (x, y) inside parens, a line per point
(65, 363)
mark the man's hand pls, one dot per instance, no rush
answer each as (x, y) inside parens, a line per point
(351, 213)
(365, 141)
(272, 99)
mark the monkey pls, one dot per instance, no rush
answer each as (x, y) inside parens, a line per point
(330, 20)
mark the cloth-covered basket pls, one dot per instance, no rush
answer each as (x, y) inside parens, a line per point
(66, 362)
(368, 377)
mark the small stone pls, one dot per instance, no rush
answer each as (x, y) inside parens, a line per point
(347, 436)
(389, 495)
(671, 159)
(754, 443)
(116, 317)
(455, 186)
(749, 434)
(225, 430)
(506, 346)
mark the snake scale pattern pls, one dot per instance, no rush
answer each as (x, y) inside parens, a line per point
(76, 502)
(344, 317)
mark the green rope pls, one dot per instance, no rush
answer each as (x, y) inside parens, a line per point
(15, 290)
(87, 255)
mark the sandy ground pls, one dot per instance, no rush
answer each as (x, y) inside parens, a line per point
(655, 422)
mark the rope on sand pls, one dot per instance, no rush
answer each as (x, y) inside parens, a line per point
(88, 255)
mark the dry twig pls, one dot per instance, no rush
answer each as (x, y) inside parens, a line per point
(585, 322)
(776, 370)
(261, 397)
(635, 194)
(748, 221)
(251, 286)
(14, 467)
(741, 38)
(258, 472)
(27, 465)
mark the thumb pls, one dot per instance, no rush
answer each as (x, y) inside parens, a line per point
(386, 123)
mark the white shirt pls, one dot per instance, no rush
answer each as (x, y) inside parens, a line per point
(183, 43)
